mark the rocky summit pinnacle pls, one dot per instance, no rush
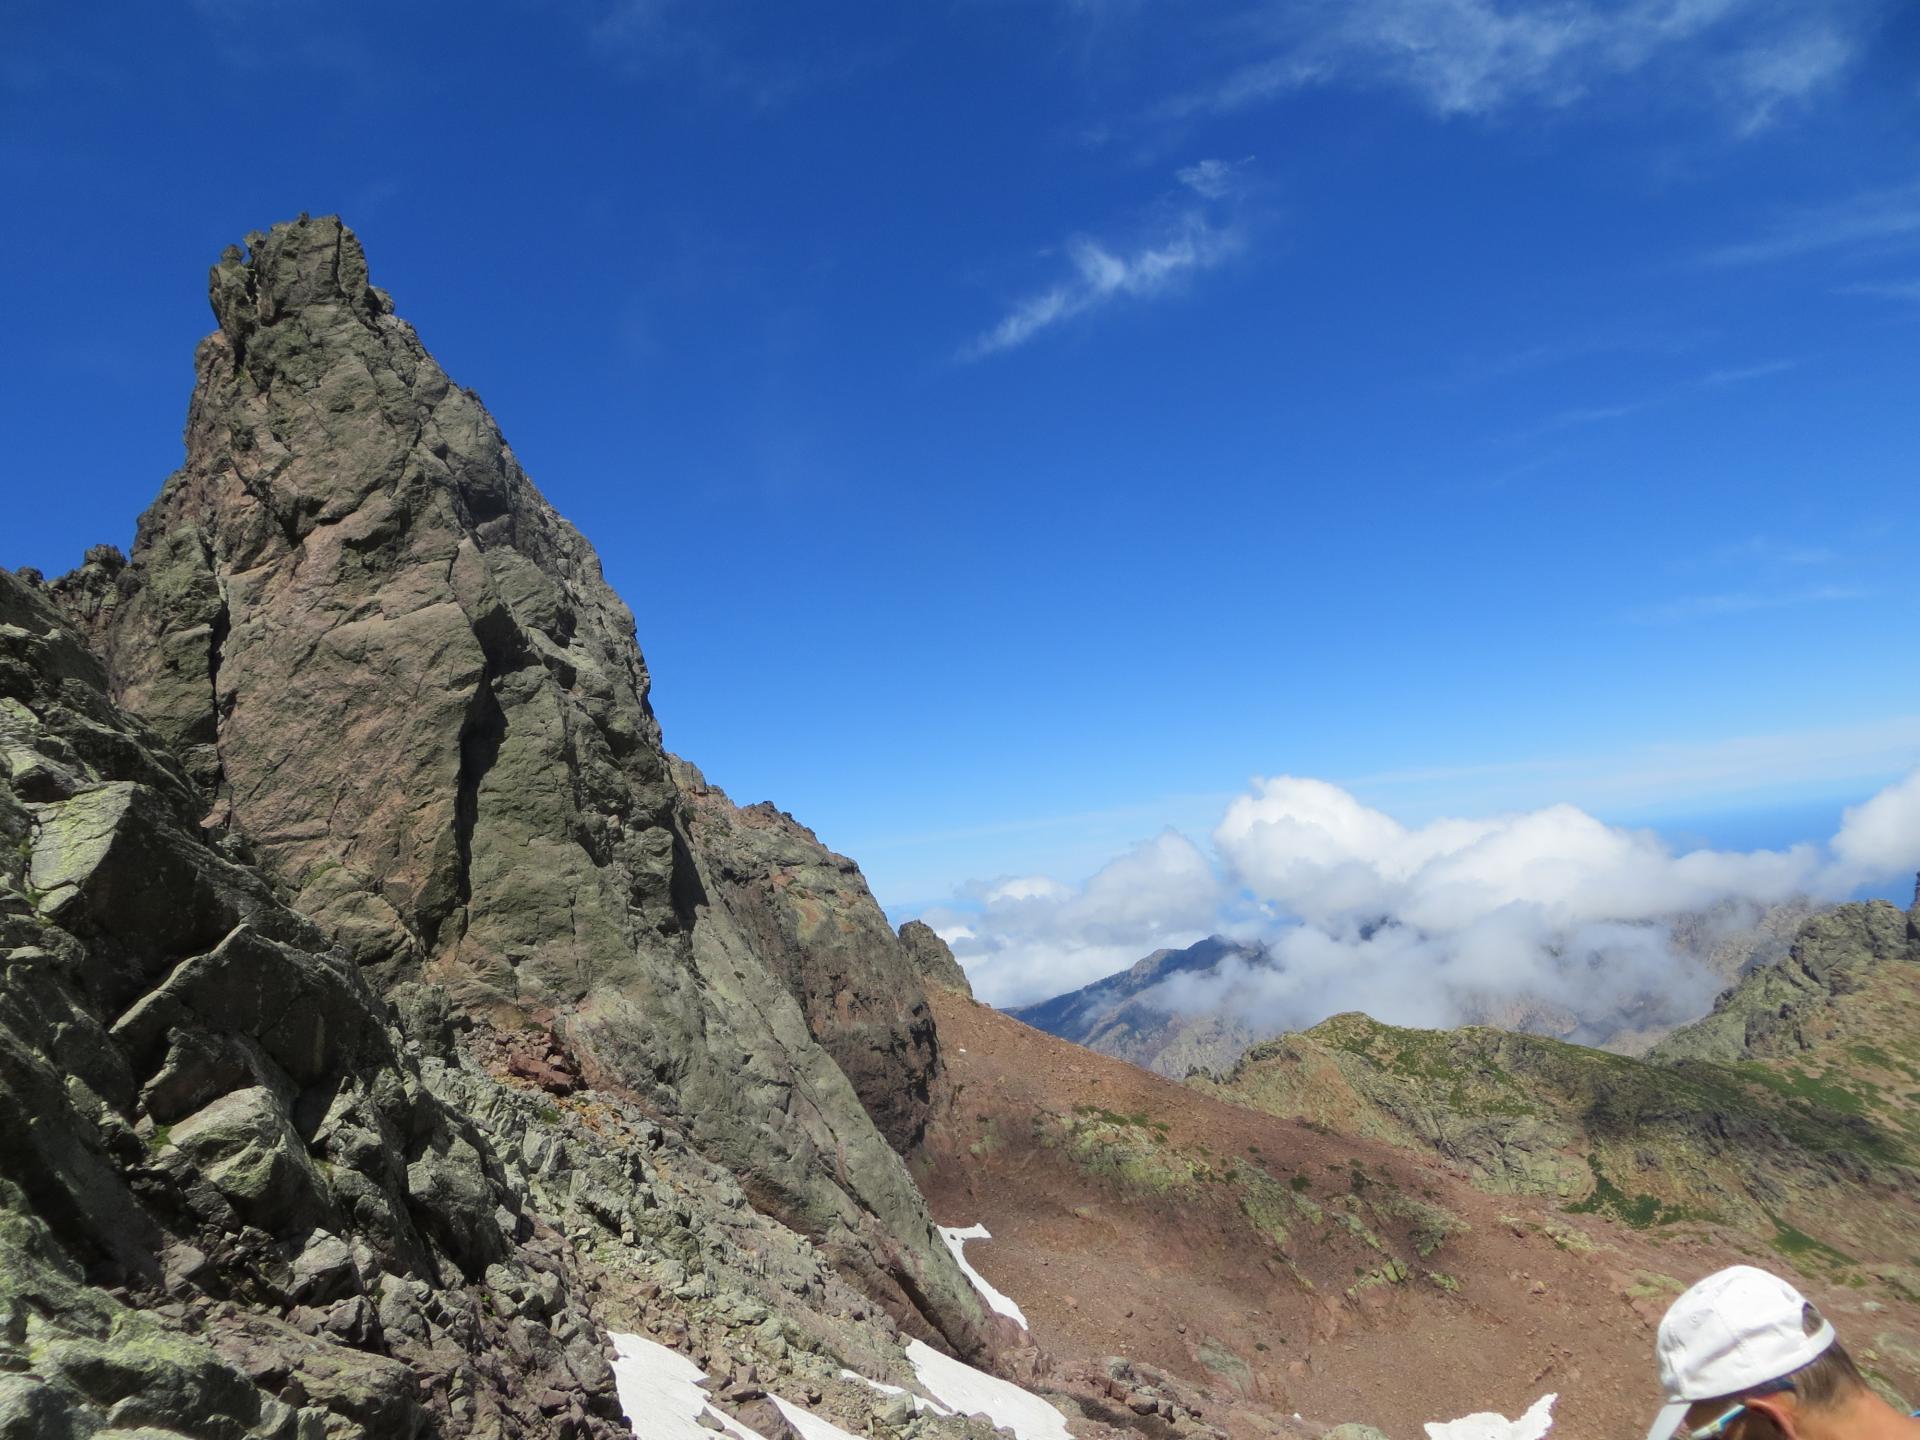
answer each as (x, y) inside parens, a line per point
(397, 676)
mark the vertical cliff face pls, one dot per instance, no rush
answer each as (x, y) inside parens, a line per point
(397, 674)
(810, 916)
(229, 1202)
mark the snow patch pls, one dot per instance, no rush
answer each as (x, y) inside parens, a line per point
(973, 1392)
(660, 1391)
(660, 1388)
(1485, 1425)
(956, 1238)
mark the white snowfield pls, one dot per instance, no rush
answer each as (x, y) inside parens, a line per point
(956, 1238)
(660, 1391)
(1485, 1425)
(974, 1392)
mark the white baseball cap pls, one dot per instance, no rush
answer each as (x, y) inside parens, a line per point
(1734, 1331)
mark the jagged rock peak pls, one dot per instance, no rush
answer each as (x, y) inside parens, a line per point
(308, 264)
(932, 957)
(397, 674)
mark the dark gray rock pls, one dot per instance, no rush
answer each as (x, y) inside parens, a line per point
(399, 679)
(245, 1136)
(931, 957)
(811, 919)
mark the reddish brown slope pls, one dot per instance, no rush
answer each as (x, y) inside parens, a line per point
(1132, 1216)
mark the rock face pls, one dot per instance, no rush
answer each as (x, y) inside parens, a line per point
(931, 958)
(1776, 1009)
(206, 1110)
(396, 674)
(808, 914)
(238, 1199)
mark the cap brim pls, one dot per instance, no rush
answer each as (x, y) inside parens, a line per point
(1670, 1416)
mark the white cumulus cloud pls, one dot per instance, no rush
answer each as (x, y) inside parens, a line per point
(1881, 838)
(1546, 916)
(1031, 937)
(1313, 851)
(1461, 919)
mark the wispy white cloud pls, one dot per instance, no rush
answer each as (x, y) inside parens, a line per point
(1906, 290)
(1880, 220)
(1579, 416)
(1741, 374)
(1756, 59)
(1763, 552)
(1101, 274)
(1214, 179)
(1743, 602)
(1782, 72)
(1632, 338)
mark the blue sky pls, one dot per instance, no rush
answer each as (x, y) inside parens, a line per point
(1017, 425)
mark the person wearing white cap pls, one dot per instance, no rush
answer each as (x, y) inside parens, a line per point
(1745, 1357)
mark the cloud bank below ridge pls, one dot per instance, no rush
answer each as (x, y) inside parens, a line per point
(1433, 924)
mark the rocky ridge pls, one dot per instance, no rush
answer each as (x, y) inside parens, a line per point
(391, 667)
(243, 1195)
(1124, 1015)
(231, 1199)
(385, 1014)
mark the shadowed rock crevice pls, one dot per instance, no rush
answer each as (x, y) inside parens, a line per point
(480, 740)
(218, 629)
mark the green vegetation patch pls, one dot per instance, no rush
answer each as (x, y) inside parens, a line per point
(1798, 1245)
(1641, 1211)
(1128, 1150)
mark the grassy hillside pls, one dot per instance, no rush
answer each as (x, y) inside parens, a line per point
(1790, 1117)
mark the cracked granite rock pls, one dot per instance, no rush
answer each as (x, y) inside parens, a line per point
(396, 676)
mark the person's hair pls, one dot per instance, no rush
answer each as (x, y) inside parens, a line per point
(1828, 1378)
(1831, 1376)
